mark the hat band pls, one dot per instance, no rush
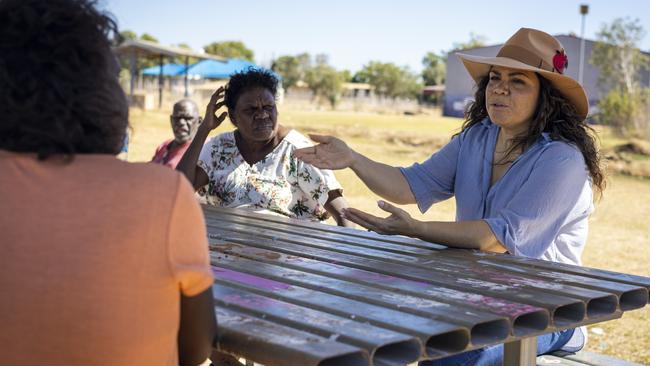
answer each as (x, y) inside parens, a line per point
(523, 55)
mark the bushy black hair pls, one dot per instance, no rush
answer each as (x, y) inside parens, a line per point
(248, 79)
(59, 88)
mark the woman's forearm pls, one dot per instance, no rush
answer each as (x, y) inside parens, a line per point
(187, 164)
(384, 180)
(462, 234)
(335, 205)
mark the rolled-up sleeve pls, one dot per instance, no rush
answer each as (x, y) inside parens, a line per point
(532, 219)
(433, 180)
(206, 160)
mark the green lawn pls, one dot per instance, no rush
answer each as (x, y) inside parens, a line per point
(619, 236)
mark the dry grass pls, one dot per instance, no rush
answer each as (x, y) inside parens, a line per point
(619, 235)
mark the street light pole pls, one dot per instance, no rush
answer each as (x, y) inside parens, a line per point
(584, 9)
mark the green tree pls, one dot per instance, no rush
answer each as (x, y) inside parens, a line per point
(230, 49)
(291, 68)
(148, 37)
(325, 82)
(389, 80)
(617, 55)
(475, 40)
(434, 69)
(127, 35)
(346, 75)
(622, 111)
(321, 59)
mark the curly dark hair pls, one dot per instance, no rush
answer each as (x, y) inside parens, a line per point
(556, 116)
(59, 88)
(248, 79)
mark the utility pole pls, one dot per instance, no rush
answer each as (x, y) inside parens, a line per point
(584, 9)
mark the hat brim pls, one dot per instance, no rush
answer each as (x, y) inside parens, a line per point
(479, 66)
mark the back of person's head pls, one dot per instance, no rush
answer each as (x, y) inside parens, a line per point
(59, 88)
(246, 80)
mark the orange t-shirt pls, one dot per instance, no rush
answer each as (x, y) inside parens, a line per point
(94, 255)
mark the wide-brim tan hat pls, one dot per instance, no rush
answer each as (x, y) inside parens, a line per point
(533, 50)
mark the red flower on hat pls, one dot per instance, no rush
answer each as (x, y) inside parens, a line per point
(560, 61)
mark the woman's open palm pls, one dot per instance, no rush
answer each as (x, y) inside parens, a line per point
(330, 153)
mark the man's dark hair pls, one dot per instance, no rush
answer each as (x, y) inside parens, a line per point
(249, 79)
(59, 88)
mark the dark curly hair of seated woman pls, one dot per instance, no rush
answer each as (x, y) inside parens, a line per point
(249, 79)
(59, 94)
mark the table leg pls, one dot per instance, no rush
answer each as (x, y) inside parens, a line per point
(520, 353)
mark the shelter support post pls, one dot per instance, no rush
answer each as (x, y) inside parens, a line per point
(161, 82)
(187, 61)
(132, 62)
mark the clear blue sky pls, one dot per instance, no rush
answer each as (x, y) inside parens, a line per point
(353, 32)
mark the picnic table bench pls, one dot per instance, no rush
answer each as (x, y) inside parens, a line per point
(291, 292)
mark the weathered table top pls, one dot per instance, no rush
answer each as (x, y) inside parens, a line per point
(292, 292)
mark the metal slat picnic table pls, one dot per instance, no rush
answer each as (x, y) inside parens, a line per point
(292, 292)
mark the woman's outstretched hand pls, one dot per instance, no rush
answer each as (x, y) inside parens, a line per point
(330, 153)
(398, 223)
(211, 120)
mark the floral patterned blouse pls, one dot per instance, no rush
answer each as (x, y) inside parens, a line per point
(278, 183)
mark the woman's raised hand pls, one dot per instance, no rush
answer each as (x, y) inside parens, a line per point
(330, 153)
(212, 120)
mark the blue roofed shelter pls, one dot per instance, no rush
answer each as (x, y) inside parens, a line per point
(203, 70)
(207, 69)
(211, 69)
(167, 70)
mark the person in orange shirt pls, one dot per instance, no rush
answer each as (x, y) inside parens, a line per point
(103, 262)
(184, 120)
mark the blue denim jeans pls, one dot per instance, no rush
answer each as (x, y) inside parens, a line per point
(493, 355)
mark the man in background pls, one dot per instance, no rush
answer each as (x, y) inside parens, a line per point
(184, 121)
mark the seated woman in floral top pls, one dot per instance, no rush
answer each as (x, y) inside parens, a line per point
(253, 166)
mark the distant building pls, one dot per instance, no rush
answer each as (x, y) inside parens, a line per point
(433, 94)
(459, 86)
(358, 90)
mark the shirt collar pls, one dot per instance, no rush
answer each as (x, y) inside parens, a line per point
(486, 122)
(545, 139)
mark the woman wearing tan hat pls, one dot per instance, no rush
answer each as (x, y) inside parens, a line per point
(522, 169)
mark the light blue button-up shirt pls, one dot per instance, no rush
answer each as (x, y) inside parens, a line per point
(538, 208)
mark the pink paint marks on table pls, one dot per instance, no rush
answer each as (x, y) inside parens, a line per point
(503, 307)
(492, 304)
